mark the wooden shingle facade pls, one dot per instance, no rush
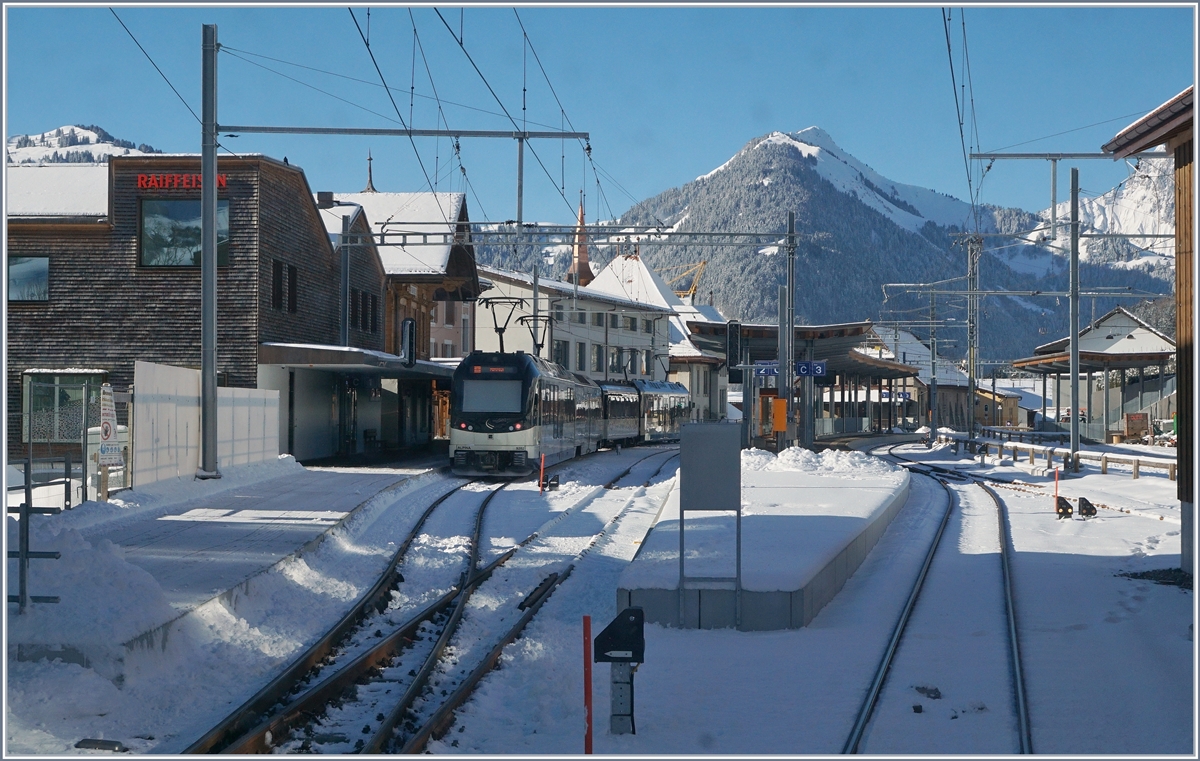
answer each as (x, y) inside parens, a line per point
(105, 305)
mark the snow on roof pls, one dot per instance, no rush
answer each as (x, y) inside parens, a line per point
(57, 190)
(906, 348)
(412, 213)
(1118, 332)
(629, 277)
(567, 289)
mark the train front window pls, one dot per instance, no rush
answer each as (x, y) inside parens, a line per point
(492, 396)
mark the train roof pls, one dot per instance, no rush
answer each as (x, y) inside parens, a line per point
(660, 387)
(542, 366)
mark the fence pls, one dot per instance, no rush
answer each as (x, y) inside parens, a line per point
(1049, 455)
(829, 426)
(166, 428)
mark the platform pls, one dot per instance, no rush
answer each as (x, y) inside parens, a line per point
(804, 533)
(199, 548)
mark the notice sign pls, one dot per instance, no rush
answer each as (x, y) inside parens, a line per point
(110, 447)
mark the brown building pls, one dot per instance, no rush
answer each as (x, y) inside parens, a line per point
(103, 271)
(1171, 125)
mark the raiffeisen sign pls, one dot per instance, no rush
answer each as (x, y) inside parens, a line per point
(186, 181)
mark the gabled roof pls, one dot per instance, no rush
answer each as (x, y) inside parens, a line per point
(1163, 123)
(434, 213)
(57, 190)
(904, 347)
(1118, 332)
(559, 288)
(629, 277)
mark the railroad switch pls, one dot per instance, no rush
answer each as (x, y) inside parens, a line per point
(1086, 508)
(622, 644)
(550, 483)
(1062, 507)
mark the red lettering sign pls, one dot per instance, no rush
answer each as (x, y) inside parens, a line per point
(186, 181)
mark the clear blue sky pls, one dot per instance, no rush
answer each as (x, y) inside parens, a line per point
(667, 94)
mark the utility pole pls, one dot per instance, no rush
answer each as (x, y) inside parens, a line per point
(974, 250)
(344, 250)
(787, 364)
(208, 256)
(933, 402)
(1074, 337)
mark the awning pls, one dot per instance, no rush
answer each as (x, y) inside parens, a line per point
(1098, 362)
(348, 359)
(833, 344)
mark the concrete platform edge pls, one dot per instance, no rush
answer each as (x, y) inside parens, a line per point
(766, 611)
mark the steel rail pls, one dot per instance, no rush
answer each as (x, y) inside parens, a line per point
(248, 715)
(885, 664)
(443, 716)
(470, 578)
(1020, 704)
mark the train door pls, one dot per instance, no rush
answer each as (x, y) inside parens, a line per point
(441, 414)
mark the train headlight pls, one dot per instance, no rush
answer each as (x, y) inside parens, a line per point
(470, 428)
(517, 426)
(510, 428)
(462, 425)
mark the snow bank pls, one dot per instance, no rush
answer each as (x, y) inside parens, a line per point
(104, 599)
(827, 463)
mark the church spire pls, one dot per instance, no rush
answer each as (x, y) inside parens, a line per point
(580, 271)
(370, 188)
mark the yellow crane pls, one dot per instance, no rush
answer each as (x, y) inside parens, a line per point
(696, 269)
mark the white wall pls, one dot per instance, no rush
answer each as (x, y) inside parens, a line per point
(315, 414)
(166, 423)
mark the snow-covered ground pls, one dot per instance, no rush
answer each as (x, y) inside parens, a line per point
(1109, 659)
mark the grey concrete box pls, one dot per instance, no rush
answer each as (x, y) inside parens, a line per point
(718, 608)
(766, 611)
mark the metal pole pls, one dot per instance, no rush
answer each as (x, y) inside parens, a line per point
(786, 387)
(1074, 331)
(208, 258)
(1042, 427)
(23, 536)
(1053, 199)
(344, 249)
(790, 366)
(83, 434)
(933, 400)
(974, 249)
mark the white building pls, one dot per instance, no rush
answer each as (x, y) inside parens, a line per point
(586, 330)
(702, 372)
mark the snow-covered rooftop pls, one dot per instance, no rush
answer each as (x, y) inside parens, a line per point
(57, 190)
(434, 213)
(1118, 332)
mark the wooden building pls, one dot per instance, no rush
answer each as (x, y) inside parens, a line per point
(1171, 125)
(103, 270)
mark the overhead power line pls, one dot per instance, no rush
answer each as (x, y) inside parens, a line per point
(155, 65)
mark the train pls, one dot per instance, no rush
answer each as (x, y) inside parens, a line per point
(508, 410)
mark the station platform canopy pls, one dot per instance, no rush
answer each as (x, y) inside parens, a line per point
(348, 359)
(1117, 341)
(836, 345)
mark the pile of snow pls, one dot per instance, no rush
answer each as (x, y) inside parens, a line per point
(117, 599)
(827, 463)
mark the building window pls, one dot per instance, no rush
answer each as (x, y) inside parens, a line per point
(598, 319)
(293, 288)
(597, 358)
(276, 284)
(649, 363)
(53, 406)
(581, 316)
(374, 313)
(466, 334)
(364, 315)
(558, 313)
(647, 326)
(447, 348)
(631, 324)
(562, 354)
(448, 308)
(170, 233)
(614, 321)
(581, 357)
(615, 355)
(29, 278)
(354, 308)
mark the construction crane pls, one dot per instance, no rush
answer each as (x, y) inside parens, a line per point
(695, 269)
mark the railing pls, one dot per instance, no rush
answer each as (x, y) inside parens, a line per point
(23, 554)
(827, 426)
(1102, 460)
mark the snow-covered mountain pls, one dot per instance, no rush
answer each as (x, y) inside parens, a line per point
(71, 144)
(909, 206)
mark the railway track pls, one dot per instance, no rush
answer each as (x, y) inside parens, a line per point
(948, 602)
(371, 677)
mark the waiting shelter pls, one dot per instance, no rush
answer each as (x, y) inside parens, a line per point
(1118, 341)
(856, 378)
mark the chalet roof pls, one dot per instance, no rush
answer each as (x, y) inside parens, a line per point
(1118, 340)
(904, 347)
(1163, 123)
